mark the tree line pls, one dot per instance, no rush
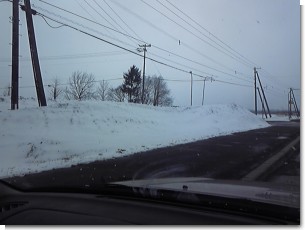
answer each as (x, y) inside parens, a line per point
(82, 86)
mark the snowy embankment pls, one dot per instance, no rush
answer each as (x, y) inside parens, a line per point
(63, 134)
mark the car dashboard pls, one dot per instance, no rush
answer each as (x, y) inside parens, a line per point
(113, 208)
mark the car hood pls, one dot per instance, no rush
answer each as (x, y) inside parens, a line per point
(278, 194)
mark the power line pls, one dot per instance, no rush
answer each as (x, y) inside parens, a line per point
(198, 63)
(111, 43)
(121, 78)
(139, 39)
(194, 74)
(124, 8)
(118, 46)
(200, 26)
(274, 81)
(246, 59)
(54, 27)
(78, 24)
(111, 79)
(210, 33)
(274, 78)
(84, 9)
(199, 31)
(144, 20)
(205, 73)
(115, 22)
(100, 14)
(63, 84)
(122, 19)
(84, 18)
(94, 36)
(231, 83)
(70, 56)
(178, 80)
(195, 34)
(183, 65)
(172, 37)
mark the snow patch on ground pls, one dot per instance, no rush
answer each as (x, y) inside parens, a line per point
(275, 117)
(66, 133)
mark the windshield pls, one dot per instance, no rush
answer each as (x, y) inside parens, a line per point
(101, 92)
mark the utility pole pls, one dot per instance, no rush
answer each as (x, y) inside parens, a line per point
(203, 89)
(191, 88)
(263, 105)
(34, 55)
(255, 92)
(292, 101)
(143, 48)
(295, 104)
(264, 97)
(15, 56)
(262, 89)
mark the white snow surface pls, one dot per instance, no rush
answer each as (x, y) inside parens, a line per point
(34, 139)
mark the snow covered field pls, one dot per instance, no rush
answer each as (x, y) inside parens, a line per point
(276, 117)
(66, 133)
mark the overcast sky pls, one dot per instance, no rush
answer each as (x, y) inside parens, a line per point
(222, 39)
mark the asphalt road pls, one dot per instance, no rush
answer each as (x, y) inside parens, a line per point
(226, 157)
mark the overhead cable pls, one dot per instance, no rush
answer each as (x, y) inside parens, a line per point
(121, 47)
(198, 24)
(122, 19)
(200, 31)
(241, 61)
(87, 19)
(128, 10)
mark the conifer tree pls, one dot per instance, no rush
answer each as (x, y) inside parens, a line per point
(132, 84)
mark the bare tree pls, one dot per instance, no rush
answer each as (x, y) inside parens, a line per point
(156, 92)
(80, 86)
(116, 94)
(161, 93)
(55, 90)
(148, 91)
(103, 90)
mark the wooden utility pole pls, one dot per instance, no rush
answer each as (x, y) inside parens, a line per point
(263, 105)
(292, 101)
(15, 56)
(203, 89)
(255, 92)
(143, 48)
(34, 55)
(191, 88)
(256, 76)
(264, 97)
(295, 104)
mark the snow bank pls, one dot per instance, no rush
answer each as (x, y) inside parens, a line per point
(63, 134)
